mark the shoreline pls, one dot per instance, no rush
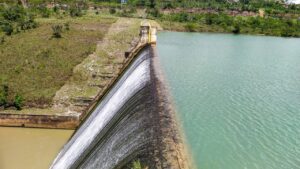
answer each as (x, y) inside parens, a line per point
(228, 33)
(181, 27)
(165, 95)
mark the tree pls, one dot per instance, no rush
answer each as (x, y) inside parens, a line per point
(236, 29)
(18, 102)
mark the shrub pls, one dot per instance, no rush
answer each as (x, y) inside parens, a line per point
(154, 12)
(2, 39)
(27, 23)
(3, 95)
(167, 5)
(2, 99)
(75, 12)
(136, 165)
(57, 30)
(8, 28)
(112, 11)
(191, 27)
(209, 19)
(45, 12)
(56, 9)
(236, 29)
(18, 102)
(13, 13)
(16, 18)
(67, 26)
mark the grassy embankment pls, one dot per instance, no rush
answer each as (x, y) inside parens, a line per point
(35, 65)
(63, 74)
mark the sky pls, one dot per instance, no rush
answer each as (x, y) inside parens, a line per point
(295, 1)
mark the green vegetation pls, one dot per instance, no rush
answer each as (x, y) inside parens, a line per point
(248, 17)
(236, 24)
(137, 165)
(57, 30)
(15, 19)
(6, 101)
(18, 102)
(35, 65)
(37, 43)
(3, 95)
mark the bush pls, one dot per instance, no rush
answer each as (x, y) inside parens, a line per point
(2, 39)
(8, 28)
(127, 12)
(167, 5)
(27, 23)
(236, 29)
(45, 12)
(16, 18)
(3, 95)
(154, 12)
(112, 11)
(191, 27)
(209, 19)
(57, 30)
(75, 12)
(67, 26)
(13, 13)
(56, 9)
(18, 102)
(136, 165)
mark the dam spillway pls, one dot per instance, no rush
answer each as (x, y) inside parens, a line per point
(134, 121)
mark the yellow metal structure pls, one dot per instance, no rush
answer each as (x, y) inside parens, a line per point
(151, 33)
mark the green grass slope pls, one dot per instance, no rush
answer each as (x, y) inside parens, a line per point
(35, 65)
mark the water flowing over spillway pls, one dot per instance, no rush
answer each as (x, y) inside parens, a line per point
(128, 124)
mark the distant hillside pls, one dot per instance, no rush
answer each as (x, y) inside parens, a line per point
(143, 1)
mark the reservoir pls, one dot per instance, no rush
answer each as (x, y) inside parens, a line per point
(28, 148)
(237, 98)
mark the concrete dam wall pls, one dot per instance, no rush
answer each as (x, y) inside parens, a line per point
(134, 121)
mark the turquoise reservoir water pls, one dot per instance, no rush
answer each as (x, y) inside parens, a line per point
(238, 98)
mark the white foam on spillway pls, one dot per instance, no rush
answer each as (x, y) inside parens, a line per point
(133, 80)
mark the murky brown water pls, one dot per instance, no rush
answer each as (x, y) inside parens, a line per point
(27, 148)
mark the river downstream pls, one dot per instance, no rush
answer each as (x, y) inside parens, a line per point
(28, 148)
(237, 97)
